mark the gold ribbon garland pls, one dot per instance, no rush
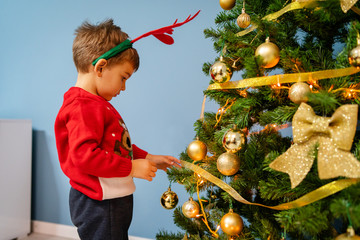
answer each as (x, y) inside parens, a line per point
(318, 194)
(333, 135)
(284, 78)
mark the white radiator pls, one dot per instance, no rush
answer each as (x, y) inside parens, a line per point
(15, 178)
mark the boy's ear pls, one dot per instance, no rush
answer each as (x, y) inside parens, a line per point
(99, 67)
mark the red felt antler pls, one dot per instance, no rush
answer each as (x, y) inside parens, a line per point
(160, 33)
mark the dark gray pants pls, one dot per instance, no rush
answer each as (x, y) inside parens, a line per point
(101, 220)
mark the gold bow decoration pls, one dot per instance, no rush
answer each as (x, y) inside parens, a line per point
(332, 136)
(346, 5)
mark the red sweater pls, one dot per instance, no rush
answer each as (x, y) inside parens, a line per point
(94, 146)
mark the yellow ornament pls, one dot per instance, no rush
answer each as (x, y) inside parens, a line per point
(227, 4)
(354, 55)
(349, 235)
(233, 140)
(220, 72)
(169, 199)
(197, 150)
(243, 19)
(231, 223)
(190, 208)
(298, 92)
(269, 53)
(228, 163)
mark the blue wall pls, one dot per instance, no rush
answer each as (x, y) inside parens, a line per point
(162, 101)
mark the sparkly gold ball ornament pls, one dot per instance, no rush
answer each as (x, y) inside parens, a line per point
(232, 140)
(169, 199)
(228, 163)
(231, 223)
(227, 4)
(298, 92)
(197, 150)
(354, 55)
(220, 72)
(190, 208)
(349, 235)
(243, 19)
(269, 52)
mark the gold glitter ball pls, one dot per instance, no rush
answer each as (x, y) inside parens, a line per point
(298, 92)
(228, 163)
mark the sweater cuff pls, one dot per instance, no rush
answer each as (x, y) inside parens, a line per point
(138, 152)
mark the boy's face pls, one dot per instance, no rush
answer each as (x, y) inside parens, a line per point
(112, 80)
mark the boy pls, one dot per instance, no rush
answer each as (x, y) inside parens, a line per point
(93, 143)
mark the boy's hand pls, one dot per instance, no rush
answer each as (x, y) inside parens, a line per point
(164, 162)
(144, 169)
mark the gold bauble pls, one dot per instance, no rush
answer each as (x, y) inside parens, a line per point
(197, 150)
(231, 223)
(190, 208)
(227, 4)
(269, 52)
(228, 163)
(243, 19)
(220, 72)
(349, 235)
(298, 92)
(354, 55)
(233, 140)
(169, 199)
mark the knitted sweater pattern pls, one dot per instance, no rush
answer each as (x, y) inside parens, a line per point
(94, 146)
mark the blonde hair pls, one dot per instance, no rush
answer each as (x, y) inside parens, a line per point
(92, 41)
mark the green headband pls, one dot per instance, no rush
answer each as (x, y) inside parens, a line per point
(162, 34)
(114, 51)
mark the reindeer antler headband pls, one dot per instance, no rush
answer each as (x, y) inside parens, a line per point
(158, 33)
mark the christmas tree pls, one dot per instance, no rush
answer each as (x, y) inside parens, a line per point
(299, 62)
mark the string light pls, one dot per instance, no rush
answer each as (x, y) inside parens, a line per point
(351, 92)
(243, 92)
(203, 214)
(223, 110)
